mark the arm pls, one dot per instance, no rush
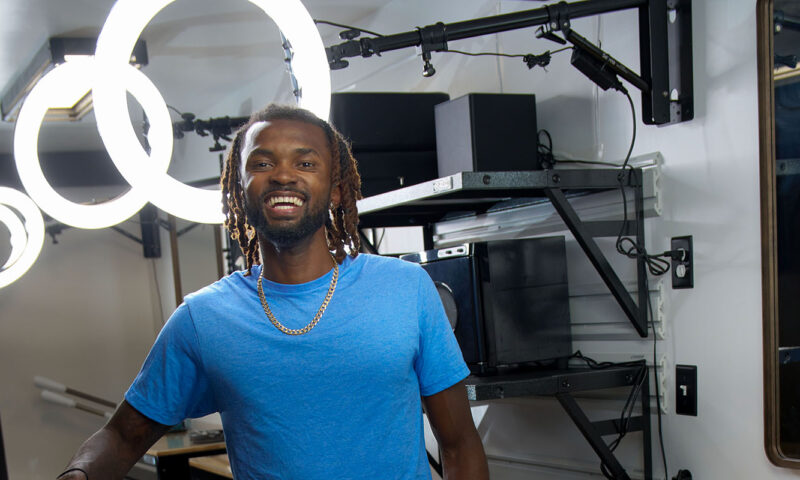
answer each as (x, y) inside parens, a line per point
(111, 452)
(451, 421)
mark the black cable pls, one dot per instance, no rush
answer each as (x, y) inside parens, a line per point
(590, 162)
(633, 138)
(174, 109)
(509, 55)
(341, 25)
(655, 265)
(480, 54)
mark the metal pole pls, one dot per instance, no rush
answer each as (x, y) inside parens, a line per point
(477, 27)
(176, 263)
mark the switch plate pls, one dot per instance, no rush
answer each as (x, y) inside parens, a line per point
(682, 266)
(686, 390)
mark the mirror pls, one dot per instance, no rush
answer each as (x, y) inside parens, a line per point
(779, 125)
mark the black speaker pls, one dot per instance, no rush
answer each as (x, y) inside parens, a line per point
(507, 301)
(393, 136)
(482, 132)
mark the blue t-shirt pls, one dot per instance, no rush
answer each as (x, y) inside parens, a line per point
(341, 401)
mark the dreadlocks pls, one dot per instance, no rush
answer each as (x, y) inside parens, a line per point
(341, 221)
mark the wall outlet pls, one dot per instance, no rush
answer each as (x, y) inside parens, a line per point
(682, 262)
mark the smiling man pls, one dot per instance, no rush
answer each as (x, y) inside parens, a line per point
(318, 359)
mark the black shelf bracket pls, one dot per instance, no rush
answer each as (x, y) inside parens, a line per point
(593, 432)
(563, 384)
(585, 232)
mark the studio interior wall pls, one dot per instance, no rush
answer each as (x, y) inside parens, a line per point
(87, 312)
(710, 190)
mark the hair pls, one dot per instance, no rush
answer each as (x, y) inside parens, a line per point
(341, 230)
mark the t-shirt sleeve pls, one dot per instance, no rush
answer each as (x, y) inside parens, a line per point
(439, 363)
(172, 384)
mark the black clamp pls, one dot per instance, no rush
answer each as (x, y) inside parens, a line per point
(558, 17)
(432, 38)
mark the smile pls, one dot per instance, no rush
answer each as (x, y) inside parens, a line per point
(284, 202)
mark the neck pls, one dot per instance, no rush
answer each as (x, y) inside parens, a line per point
(300, 263)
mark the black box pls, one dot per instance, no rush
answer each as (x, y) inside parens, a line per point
(487, 132)
(386, 122)
(393, 136)
(507, 301)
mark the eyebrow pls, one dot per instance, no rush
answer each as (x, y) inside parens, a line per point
(265, 152)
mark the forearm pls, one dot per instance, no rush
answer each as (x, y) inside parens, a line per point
(105, 455)
(466, 460)
(111, 452)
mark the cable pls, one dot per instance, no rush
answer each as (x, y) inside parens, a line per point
(633, 138)
(480, 54)
(174, 109)
(655, 265)
(341, 25)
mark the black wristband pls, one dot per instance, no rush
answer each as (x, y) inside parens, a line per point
(74, 469)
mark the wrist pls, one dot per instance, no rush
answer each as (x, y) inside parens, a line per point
(73, 470)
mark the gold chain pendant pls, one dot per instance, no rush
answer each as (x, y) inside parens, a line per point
(313, 323)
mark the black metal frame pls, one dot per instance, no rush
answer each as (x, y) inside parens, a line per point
(665, 47)
(563, 384)
(479, 192)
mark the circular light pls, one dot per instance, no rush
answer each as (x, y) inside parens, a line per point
(124, 25)
(18, 236)
(34, 226)
(62, 87)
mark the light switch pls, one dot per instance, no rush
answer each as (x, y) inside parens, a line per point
(686, 390)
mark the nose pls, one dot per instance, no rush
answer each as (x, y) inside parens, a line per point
(283, 174)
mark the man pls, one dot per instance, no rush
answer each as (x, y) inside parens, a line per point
(318, 362)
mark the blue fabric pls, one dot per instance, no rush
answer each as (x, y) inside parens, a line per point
(342, 401)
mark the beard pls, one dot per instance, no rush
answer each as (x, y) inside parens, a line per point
(285, 236)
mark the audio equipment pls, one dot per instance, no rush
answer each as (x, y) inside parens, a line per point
(392, 135)
(507, 301)
(487, 132)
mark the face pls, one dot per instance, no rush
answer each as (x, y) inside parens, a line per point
(286, 176)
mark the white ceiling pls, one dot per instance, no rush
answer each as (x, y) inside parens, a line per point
(199, 50)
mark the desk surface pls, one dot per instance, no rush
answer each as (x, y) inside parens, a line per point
(179, 444)
(216, 464)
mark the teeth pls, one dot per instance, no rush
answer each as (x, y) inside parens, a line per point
(283, 200)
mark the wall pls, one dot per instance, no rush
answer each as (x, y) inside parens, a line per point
(710, 188)
(710, 191)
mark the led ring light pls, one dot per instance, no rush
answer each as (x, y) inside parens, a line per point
(122, 29)
(18, 236)
(34, 227)
(62, 87)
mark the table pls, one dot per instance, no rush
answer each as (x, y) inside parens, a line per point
(212, 467)
(171, 453)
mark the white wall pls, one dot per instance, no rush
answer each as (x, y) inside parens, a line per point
(710, 185)
(87, 311)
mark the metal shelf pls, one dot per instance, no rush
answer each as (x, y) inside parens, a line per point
(562, 384)
(430, 202)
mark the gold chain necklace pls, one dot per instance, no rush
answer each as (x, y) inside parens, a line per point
(307, 328)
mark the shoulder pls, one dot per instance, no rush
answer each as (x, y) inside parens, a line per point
(234, 284)
(381, 265)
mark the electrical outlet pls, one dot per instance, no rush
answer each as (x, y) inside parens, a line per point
(686, 390)
(682, 263)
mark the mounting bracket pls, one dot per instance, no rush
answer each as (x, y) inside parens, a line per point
(665, 46)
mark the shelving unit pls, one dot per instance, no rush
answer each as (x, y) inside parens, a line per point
(464, 193)
(472, 193)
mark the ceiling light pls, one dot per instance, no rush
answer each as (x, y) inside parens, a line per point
(55, 52)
